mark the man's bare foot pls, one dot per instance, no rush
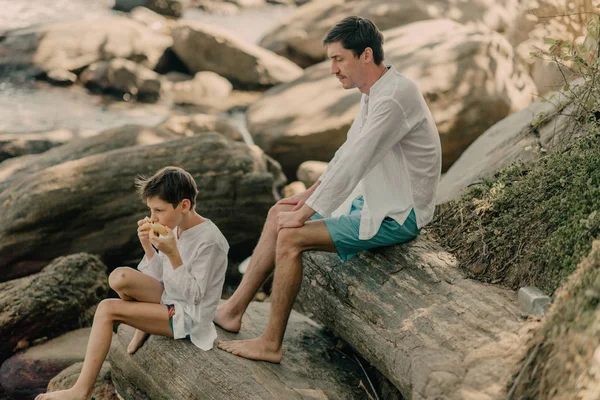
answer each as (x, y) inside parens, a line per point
(70, 394)
(227, 319)
(137, 341)
(253, 349)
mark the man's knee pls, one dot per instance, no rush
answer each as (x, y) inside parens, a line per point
(276, 209)
(119, 278)
(288, 243)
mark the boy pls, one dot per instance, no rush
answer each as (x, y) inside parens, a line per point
(178, 289)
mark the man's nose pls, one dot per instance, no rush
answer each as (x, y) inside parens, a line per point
(334, 69)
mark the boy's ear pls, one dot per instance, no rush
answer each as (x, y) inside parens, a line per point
(186, 205)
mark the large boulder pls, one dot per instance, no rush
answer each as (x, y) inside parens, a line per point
(91, 203)
(555, 19)
(208, 48)
(312, 367)
(103, 388)
(123, 78)
(171, 8)
(300, 36)
(60, 298)
(189, 125)
(526, 135)
(466, 74)
(15, 145)
(73, 45)
(205, 88)
(410, 312)
(28, 372)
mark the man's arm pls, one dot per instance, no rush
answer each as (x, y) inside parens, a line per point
(386, 126)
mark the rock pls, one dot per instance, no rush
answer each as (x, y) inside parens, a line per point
(206, 87)
(312, 367)
(248, 3)
(103, 388)
(409, 311)
(60, 77)
(293, 188)
(175, 76)
(511, 139)
(189, 125)
(19, 144)
(533, 301)
(151, 20)
(208, 48)
(554, 19)
(27, 373)
(124, 79)
(91, 203)
(73, 45)
(171, 8)
(111, 139)
(218, 7)
(299, 37)
(437, 54)
(309, 172)
(54, 301)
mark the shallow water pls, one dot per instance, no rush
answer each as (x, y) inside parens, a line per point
(29, 106)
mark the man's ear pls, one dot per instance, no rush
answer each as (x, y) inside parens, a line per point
(368, 54)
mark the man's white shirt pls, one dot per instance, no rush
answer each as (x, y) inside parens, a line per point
(195, 287)
(392, 156)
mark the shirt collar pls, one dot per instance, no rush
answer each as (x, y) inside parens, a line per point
(380, 82)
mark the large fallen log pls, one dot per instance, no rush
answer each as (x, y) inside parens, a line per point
(91, 204)
(167, 369)
(59, 299)
(408, 310)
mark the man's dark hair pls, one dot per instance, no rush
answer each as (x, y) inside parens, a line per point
(171, 184)
(356, 34)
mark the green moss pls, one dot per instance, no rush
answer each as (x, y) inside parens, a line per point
(532, 223)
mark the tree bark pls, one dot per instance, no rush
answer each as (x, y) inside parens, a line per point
(52, 302)
(167, 369)
(408, 310)
(91, 204)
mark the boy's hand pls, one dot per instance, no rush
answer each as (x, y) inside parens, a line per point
(166, 244)
(143, 230)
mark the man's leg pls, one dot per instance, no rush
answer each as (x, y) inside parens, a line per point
(288, 278)
(229, 314)
(148, 317)
(131, 285)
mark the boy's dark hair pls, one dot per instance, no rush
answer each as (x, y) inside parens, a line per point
(356, 34)
(171, 184)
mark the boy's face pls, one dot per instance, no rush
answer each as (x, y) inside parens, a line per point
(164, 213)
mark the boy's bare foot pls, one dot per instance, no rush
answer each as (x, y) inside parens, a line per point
(136, 342)
(254, 349)
(227, 319)
(71, 394)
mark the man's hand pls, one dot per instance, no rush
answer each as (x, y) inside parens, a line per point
(297, 200)
(294, 219)
(166, 244)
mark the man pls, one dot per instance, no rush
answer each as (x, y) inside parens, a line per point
(380, 186)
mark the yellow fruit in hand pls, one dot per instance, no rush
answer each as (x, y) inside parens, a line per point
(158, 228)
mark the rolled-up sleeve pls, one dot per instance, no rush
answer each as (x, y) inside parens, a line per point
(386, 126)
(190, 280)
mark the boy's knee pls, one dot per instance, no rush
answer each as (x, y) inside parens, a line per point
(119, 278)
(106, 308)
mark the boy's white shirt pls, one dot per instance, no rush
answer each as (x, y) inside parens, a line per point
(195, 287)
(392, 156)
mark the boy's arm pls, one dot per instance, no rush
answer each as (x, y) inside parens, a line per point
(190, 281)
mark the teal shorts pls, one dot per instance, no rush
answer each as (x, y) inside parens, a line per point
(344, 231)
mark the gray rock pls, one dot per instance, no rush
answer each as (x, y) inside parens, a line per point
(205, 88)
(533, 301)
(60, 77)
(208, 48)
(309, 172)
(91, 203)
(103, 388)
(54, 301)
(20, 144)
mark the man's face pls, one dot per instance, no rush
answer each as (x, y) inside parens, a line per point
(345, 65)
(163, 212)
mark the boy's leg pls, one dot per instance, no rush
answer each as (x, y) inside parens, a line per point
(148, 317)
(131, 284)
(229, 314)
(288, 278)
